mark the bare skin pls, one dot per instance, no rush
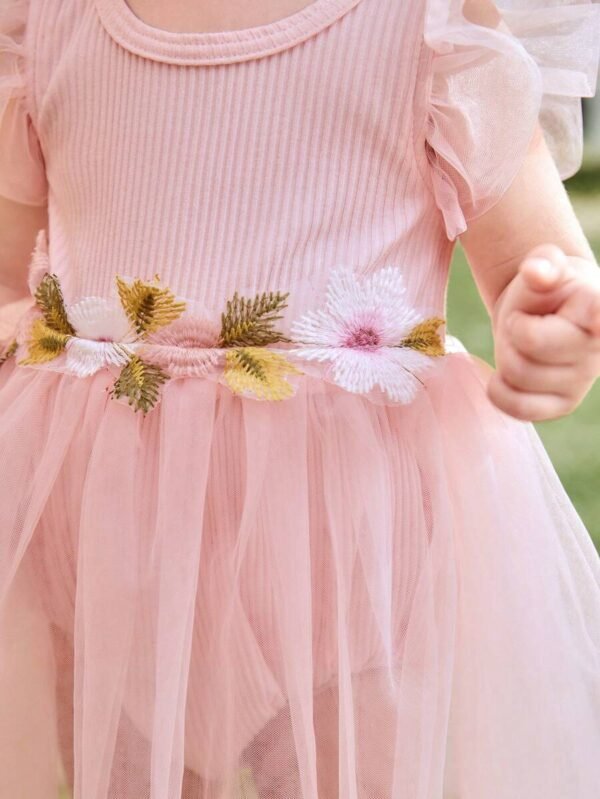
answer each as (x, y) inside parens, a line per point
(213, 15)
(540, 282)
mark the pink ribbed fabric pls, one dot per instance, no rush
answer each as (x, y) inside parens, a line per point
(374, 588)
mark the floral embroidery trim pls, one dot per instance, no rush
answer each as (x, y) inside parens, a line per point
(148, 306)
(145, 335)
(370, 335)
(140, 382)
(259, 371)
(366, 333)
(250, 322)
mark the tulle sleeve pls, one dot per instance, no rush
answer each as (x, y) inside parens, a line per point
(22, 168)
(496, 70)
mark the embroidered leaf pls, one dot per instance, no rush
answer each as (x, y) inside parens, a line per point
(260, 372)
(140, 383)
(250, 322)
(425, 338)
(49, 298)
(44, 343)
(8, 352)
(148, 305)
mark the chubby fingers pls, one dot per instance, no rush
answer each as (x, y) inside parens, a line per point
(545, 367)
(541, 277)
(548, 281)
(527, 406)
(549, 339)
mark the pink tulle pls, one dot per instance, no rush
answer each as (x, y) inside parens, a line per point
(319, 597)
(499, 69)
(332, 596)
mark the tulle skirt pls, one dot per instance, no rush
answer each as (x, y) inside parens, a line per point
(315, 598)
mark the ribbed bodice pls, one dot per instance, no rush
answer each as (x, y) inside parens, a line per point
(244, 160)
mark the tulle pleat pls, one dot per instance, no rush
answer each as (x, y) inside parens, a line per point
(176, 555)
(34, 445)
(108, 578)
(526, 693)
(316, 598)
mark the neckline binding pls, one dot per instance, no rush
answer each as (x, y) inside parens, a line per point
(216, 47)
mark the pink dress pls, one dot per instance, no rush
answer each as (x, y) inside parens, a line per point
(262, 534)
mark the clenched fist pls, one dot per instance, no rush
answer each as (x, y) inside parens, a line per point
(547, 336)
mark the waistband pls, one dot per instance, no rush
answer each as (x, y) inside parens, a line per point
(365, 337)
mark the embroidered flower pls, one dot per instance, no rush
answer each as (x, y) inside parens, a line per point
(96, 332)
(186, 347)
(103, 333)
(370, 334)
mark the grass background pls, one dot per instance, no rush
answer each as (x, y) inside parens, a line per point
(572, 441)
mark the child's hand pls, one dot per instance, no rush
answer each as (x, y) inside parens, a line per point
(547, 336)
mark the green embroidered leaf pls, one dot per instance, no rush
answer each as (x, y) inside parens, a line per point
(140, 382)
(259, 371)
(8, 352)
(148, 305)
(50, 300)
(250, 322)
(44, 343)
(425, 338)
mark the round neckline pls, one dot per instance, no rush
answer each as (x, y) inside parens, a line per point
(216, 47)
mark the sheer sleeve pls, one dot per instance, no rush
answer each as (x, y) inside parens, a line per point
(22, 168)
(497, 69)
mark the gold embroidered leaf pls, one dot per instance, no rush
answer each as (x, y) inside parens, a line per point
(140, 382)
(249, 322)
(50, 300)
(8, 352)
(44, 343)
(148, 306)
(425, 337)
(259, 371)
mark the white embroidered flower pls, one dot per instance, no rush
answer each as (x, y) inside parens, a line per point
(103, 336)
(360, 332)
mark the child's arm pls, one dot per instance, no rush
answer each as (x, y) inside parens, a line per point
(546, 326)
(19, 224)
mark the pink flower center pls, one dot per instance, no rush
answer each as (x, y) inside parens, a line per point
(364, 337)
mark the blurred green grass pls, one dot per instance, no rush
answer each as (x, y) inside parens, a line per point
(572, 441)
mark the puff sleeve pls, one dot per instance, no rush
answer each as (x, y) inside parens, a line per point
(22, 168)
(497, 69)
